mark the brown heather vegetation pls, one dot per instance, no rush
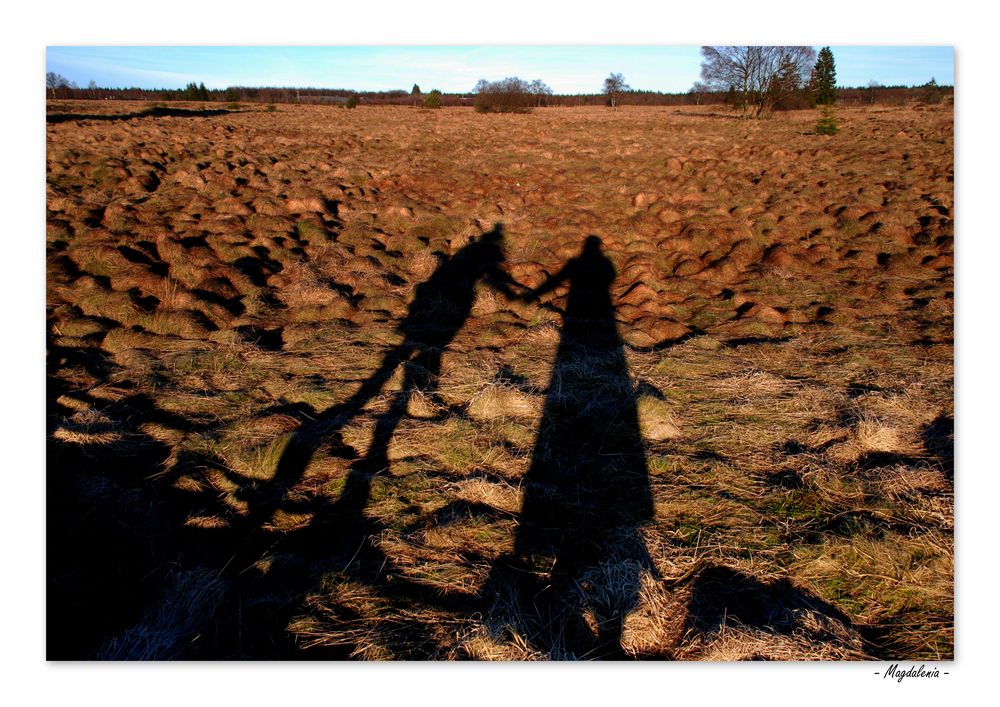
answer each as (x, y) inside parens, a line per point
(237, 469)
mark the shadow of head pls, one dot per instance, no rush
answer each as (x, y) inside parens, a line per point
(494, 236)
(479, 253)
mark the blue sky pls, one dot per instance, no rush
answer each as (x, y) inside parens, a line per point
(567, 69)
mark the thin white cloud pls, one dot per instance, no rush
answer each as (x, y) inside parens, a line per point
(87, 66)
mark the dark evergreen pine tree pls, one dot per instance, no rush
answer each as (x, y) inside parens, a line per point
(825, 75)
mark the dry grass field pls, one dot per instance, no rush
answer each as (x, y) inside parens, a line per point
(392, 383)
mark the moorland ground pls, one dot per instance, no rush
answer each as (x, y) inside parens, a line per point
(404, 383)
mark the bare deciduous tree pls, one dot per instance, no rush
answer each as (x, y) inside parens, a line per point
(613, 86)
(757, 76)
(54, 81)
(873, 86)
(698, 90)
(540, 90)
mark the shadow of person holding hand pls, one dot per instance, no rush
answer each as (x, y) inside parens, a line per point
(578, 558)
(439, 310)
(440, 307)
(339, 533)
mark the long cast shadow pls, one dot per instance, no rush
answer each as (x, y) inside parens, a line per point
(156, 112)
(440, 308)
(578, 558)
(339, 534)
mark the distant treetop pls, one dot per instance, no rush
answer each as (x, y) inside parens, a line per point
(757, 77)
(824, 78)
(613, 86)
(509, 95)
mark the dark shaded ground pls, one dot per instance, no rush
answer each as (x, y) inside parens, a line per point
(148, 113)
(587, 490)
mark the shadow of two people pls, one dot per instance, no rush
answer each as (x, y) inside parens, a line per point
(586, 492)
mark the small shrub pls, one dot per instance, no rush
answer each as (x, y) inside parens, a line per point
(827, 124)
(797, 100)
(352, 102)
(930, 93)
(271, 107)
(232, 105)
(433, 99)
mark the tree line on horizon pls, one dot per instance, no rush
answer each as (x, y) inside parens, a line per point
(753, 80)
(874, 93)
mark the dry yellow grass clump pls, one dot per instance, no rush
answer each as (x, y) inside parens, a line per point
(403, 384)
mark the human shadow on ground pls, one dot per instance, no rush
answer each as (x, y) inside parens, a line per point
(339, 536)
(579, 558)
(575, 571)
(439, 310)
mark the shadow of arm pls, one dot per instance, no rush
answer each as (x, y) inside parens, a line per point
(503, 283)
(551, 283)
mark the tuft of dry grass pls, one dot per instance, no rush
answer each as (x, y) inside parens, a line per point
(89, 426)
(499, 402)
